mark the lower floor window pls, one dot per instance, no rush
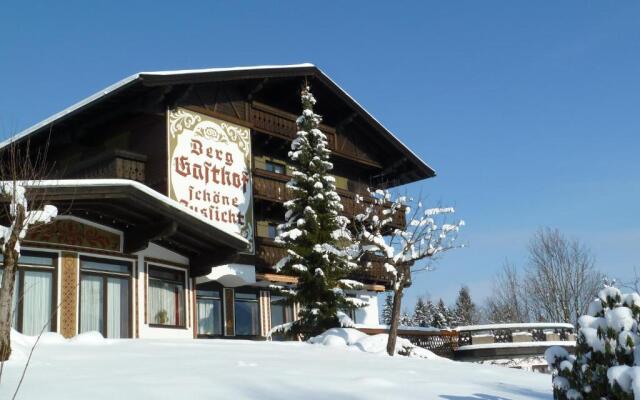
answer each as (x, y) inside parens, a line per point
(166, 296)
(281, 313)
(209, 309)
(34, 293)
(105, 300)
(247, 314)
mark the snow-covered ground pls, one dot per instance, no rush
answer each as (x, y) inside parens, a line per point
(90, 367)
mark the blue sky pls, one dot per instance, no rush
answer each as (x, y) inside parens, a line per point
(529, 111)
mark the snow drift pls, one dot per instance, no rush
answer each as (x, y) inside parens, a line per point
(340, 364)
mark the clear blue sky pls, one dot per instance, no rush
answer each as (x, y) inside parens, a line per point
(529, 111)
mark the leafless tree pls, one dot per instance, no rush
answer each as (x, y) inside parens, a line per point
(634, 283)
(508, 302)
(22, 168)
(402, 251)
(561, 279)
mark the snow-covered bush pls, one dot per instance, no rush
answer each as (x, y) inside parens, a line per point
(355, 339)
(607, 360)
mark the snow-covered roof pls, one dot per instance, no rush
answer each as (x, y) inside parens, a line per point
(305, 68)
(96, 183)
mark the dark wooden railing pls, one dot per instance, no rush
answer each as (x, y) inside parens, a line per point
(271, 186)
(443, 343)
(268, 253)
(282, 124)
(111, 164)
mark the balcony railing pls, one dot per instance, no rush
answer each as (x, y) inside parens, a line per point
(111, 164)
(282, 124)
(268, 253)
(272, 187)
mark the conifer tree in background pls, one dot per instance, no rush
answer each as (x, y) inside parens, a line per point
(312, 232)
(423, 313)
(405, 319)
(386, 311)
(441, 316)
(465, 309)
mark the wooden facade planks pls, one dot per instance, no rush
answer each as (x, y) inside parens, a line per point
(229, 318)
(69, 294)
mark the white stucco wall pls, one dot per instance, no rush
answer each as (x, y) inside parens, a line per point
(367, 315)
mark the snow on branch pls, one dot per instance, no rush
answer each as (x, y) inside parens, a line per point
(426, 234)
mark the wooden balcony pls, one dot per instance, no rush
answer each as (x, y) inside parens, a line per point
(119, 164)
(272, 187)
(268, 253)
(282, 124)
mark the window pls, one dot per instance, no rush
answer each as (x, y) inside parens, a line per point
(105, 299)
(272, 230)
(275, 167)
(209, 308)
(34, 294)
(166, 297)
(247, 314)
(281, 313)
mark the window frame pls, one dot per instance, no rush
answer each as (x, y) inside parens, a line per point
(105, 275)
(272, 166)
(182, 271)
(270, 225)
(19, 288)
(286, 318)
(212, 287)
(252, 291)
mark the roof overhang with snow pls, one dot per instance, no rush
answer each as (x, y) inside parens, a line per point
(162, 83)
(144, 216)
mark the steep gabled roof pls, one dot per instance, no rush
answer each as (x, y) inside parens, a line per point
(161, 78)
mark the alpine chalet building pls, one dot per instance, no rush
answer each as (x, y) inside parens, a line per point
(170, 186)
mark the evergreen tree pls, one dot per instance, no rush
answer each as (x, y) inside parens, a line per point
(312, 232)
(386, 311)
(606, 355)
(441, 315)
(405, 319)
(465, 310)
(422, 314)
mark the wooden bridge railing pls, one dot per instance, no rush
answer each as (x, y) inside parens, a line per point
(514, 333)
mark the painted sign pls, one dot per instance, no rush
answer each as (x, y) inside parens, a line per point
(210, 169)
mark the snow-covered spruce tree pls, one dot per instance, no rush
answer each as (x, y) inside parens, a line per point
(442, 316)
(314, 231)
(465, 310)
(423, 312)
(405, 319)
(402, 251)
(386, 311)
(606, 364)
(19, 170)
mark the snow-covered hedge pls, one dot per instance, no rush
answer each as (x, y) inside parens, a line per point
(607, 360)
